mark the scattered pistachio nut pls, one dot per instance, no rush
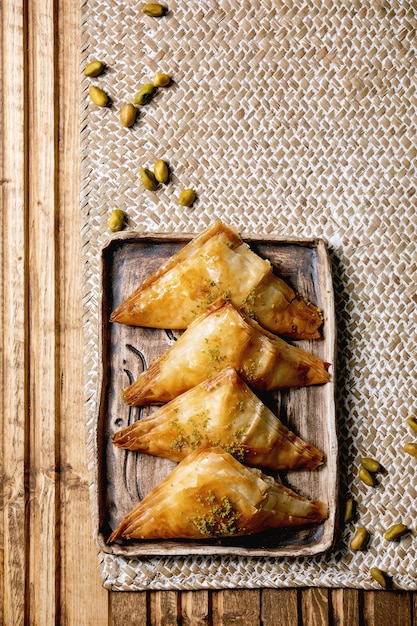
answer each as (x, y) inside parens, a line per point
(161, 171)
(349, 510)
(116, 220)
(94, 68)
(128, 115)
(154, 9)
(145, 93)
(412, 422)
(161, 80)
(380, 577)
(370, 464)
(98, 96)
(396, 531)
(366, 477)
(186, 197)
(411, 448)
(148, 179)
(359, 539)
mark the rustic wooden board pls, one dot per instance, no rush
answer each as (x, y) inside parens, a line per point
(124, 477)
(80, 599)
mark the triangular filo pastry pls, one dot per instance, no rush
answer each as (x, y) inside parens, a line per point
(224, 337)
(222, 411)
(211, 494)
(218, 264)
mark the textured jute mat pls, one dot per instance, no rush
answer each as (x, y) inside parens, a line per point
(292, 117)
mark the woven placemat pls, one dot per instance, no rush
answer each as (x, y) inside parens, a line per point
(292, 117)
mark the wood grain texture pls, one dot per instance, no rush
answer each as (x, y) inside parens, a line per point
(164, 608)
(315, 607)
(240, 607)
(345, 607)
(382, 608)
(75, 526)
(279, 606)
(127, 608)
(48, 563)
(42, 215)
(13, 312)
(196, 608)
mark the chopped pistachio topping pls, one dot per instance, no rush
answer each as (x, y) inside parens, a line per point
(214, 353)
(179, 442)
(196, 437)
(221, 518)
(236, 449)
(250, 298)
(249, 369)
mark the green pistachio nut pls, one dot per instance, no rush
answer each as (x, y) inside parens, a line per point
(161, 171)
(153, 9)
(116, 220)
(145, 93)
(349, 510)
(367, 477)
(412, 422)
(148, 179)
(380, 577)
(186, 197)
(128, 115)
(359, 539)
(98, 96)
(161, 80)
(370, 464)
(396, 531)
(411, 448)
(94, 68)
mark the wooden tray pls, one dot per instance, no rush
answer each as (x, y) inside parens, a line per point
(123, 477)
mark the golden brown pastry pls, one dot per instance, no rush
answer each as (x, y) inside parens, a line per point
(222, 411)
(218, 264)
(224, 337)
(211, 494)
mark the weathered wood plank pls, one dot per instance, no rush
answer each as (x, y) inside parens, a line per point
(164, 608)
(384, 607)
(82, 598)
(279, 606)
(239, 607)
(315, 607)
(13, 314)
(39, 255)
(345, 607)
(43, 549)
(128, 607)
(196, 608)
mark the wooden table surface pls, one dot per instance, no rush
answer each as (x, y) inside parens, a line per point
(49, 567)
